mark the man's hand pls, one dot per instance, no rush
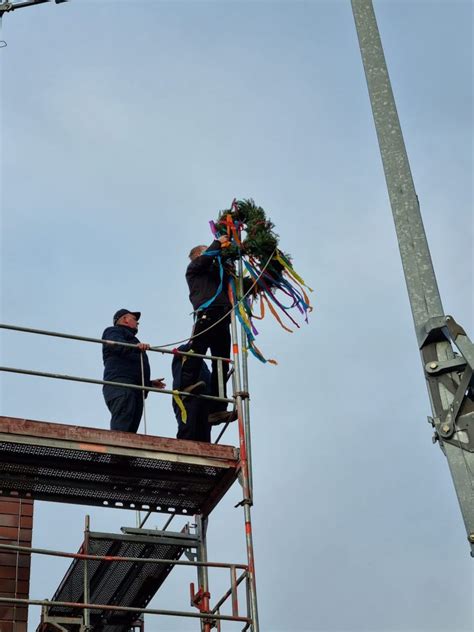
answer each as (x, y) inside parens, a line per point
(158, 383)
(224, 241)
(143, 346)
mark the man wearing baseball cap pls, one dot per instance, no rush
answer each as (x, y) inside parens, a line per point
(128, 365)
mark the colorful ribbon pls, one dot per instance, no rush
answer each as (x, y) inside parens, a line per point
(275, 275)
(181, 406)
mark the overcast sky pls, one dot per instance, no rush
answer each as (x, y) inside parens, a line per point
(126, 126)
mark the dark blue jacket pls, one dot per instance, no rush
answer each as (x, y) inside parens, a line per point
(177, 367)
(122, 364)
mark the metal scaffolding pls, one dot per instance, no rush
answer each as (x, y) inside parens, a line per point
(73, 464)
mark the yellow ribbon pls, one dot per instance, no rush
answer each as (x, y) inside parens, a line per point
(179, 403)
(291, 271)
(244, 316)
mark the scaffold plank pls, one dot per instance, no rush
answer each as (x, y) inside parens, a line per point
(89, 466)
(127, 584)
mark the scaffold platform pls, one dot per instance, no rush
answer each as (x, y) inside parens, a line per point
(89, 466)
(125, 583)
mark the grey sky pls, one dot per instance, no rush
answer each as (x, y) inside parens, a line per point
(125, 128)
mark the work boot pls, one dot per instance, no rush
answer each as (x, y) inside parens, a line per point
(222, 417)
(195, 388)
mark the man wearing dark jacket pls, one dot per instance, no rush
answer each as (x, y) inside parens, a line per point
(128, 365)
(195, 426)
(208, 280)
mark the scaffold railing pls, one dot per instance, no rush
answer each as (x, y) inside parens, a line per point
(221, 361)
(208, 616)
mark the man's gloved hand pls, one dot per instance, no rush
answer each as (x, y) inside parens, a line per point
(225, 243)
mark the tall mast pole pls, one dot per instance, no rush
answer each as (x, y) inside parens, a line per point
(449, 376)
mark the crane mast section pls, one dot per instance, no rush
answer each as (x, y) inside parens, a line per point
(449, 374)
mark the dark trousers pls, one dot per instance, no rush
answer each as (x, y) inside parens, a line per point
(126, 408)
(217, 340)
(196, 426)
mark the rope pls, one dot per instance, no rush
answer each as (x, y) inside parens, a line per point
(143, 391)
(138, 514)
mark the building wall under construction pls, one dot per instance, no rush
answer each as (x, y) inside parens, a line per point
(16, 527)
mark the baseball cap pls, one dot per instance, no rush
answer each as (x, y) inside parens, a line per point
(122, 312)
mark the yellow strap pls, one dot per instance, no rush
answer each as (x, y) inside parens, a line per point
(179, 403)
(291, 271)
(244, 316)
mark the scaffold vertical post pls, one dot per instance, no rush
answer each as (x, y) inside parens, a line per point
(245, 380)
(203, 574)
(246, 502)
(220, 378)
(233, 585)
(86, 573)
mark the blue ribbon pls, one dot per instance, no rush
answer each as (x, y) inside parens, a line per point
(248, 333)
(217, 255)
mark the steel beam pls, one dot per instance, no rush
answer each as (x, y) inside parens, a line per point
(431, 325)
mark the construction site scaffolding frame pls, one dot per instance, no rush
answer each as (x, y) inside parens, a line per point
(241, 400)
(213, 613)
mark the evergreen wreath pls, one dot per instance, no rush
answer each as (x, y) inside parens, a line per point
(271, 279)
(260, 241)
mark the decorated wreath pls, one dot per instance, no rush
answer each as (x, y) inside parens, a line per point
(268, 272)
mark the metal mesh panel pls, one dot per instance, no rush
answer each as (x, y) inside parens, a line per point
(89, 477)
(122, 583)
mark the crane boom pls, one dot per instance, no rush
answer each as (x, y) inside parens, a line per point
(5, 7)
(449, 374)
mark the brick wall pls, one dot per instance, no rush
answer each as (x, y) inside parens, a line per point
(16, 527)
